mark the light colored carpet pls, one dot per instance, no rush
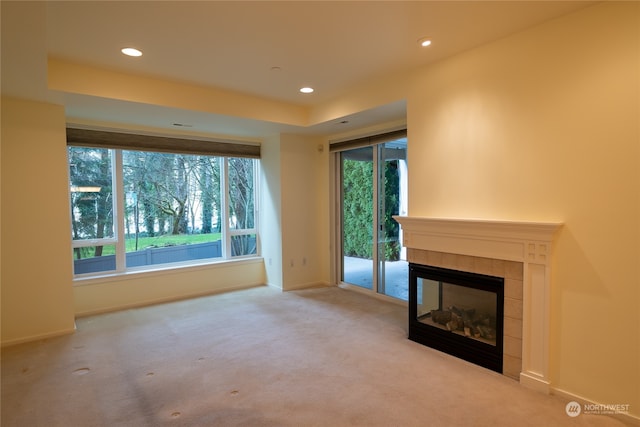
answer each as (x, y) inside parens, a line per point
(260, 357)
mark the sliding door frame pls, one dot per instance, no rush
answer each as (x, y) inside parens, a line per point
(336, 220)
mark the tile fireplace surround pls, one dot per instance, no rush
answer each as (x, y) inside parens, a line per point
(520, 252)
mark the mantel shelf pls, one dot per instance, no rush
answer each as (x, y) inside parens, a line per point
(513, 230)
(508, 240)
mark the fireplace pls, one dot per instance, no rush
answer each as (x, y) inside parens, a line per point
(457, 312)
(520, 252)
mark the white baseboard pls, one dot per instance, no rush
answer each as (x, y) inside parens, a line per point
(534, 382)
(271, 285)
(370, 293)
(309, 285)
(38, 337)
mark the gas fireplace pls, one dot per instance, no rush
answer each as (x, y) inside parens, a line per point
(457, 312)
(519, 254)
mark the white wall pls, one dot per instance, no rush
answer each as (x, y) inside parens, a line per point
(271, 211)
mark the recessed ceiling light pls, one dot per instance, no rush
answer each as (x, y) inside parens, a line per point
(130, 51)
(424, 42)
(306, 89)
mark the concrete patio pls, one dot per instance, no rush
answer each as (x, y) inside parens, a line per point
(359, 271)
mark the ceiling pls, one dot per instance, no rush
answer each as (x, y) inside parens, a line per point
(270, 49)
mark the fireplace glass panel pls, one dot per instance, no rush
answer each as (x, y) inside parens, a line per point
(462, 310)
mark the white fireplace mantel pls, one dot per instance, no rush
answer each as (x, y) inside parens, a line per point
(526, 242)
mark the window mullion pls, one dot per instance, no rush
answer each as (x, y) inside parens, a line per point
(118, 206)
(225, 229)
(376, 218)
(256, 207)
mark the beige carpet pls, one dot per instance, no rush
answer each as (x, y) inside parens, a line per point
(259, 357)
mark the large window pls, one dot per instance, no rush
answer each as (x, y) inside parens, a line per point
(140, 209)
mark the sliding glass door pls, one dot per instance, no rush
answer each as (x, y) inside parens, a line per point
(373, 189)
(392, 200)
(358, 228)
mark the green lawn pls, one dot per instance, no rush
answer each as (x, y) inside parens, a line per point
(169, 240)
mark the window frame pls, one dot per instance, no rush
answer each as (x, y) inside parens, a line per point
(118, 206)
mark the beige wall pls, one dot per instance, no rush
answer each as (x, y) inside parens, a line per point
(86, 80)
(294, 220)
(37, 298)
(305, 198)
(133, 290)
(543, 126)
